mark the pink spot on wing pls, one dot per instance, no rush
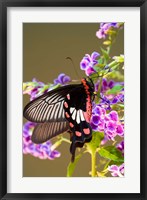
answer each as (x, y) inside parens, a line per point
(86, 131)
(68, 96)
(65, 104)
(86, 116)
(71, 125)
(67, 115)
(78, 133)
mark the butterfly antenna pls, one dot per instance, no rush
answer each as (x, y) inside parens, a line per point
(69, 58)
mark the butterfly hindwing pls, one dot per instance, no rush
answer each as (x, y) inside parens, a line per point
(76, 113)
(47, 130)
(77, 107)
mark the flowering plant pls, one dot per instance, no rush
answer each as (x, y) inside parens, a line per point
(107, 120)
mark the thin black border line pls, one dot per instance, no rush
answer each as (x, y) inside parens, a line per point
(3, 93)
(74, 3)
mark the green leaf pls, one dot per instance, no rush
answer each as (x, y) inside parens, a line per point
(97, 137)
(105, 54)
(72, 165)
(97, 68)
(116, 163)
(111, 153)
(116, 89)
(100, 60)
(111, 162)
(115, 67)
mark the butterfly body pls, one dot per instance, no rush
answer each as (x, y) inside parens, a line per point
(67, 108)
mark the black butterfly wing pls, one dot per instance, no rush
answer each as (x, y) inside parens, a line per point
(48, 107)
(77, 107)
(47, 130)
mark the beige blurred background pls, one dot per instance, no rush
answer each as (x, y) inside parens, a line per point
(45, 48)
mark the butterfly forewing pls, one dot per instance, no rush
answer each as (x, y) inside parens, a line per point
(48, 107)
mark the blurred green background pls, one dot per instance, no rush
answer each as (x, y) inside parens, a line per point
(45, 48)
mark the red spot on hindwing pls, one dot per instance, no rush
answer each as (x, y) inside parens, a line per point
(65, 104)
(67, 115)
(78, 133)
(86, 131)
(71, 125)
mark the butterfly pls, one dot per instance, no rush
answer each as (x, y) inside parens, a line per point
(64, 109)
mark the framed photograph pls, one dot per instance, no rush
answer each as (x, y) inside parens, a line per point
(73, 82)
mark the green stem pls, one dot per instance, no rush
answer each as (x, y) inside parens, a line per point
(58, 143)
(66, 140)
(93, 163)
(108, 49)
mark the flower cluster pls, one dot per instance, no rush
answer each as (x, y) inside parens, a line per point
(36, 88)
(88, 62)
(42, 151)
(107, 123)
(104, 29)
(106, 85)
(107, 101)
(116, 170)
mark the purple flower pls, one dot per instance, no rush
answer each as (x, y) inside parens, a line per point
(104, 28)
(98, 110)
(107, 100)
(89, 71)
(107, 123)
(110, 126)
(104, 140)
(116, 171)
(120, 130)
(42, 151)
(95, 119)
(113, 115)
(88, 62)
(118, 98)
(62, 79)
(120, 147)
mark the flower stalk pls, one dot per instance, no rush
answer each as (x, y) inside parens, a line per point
(93, 163)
